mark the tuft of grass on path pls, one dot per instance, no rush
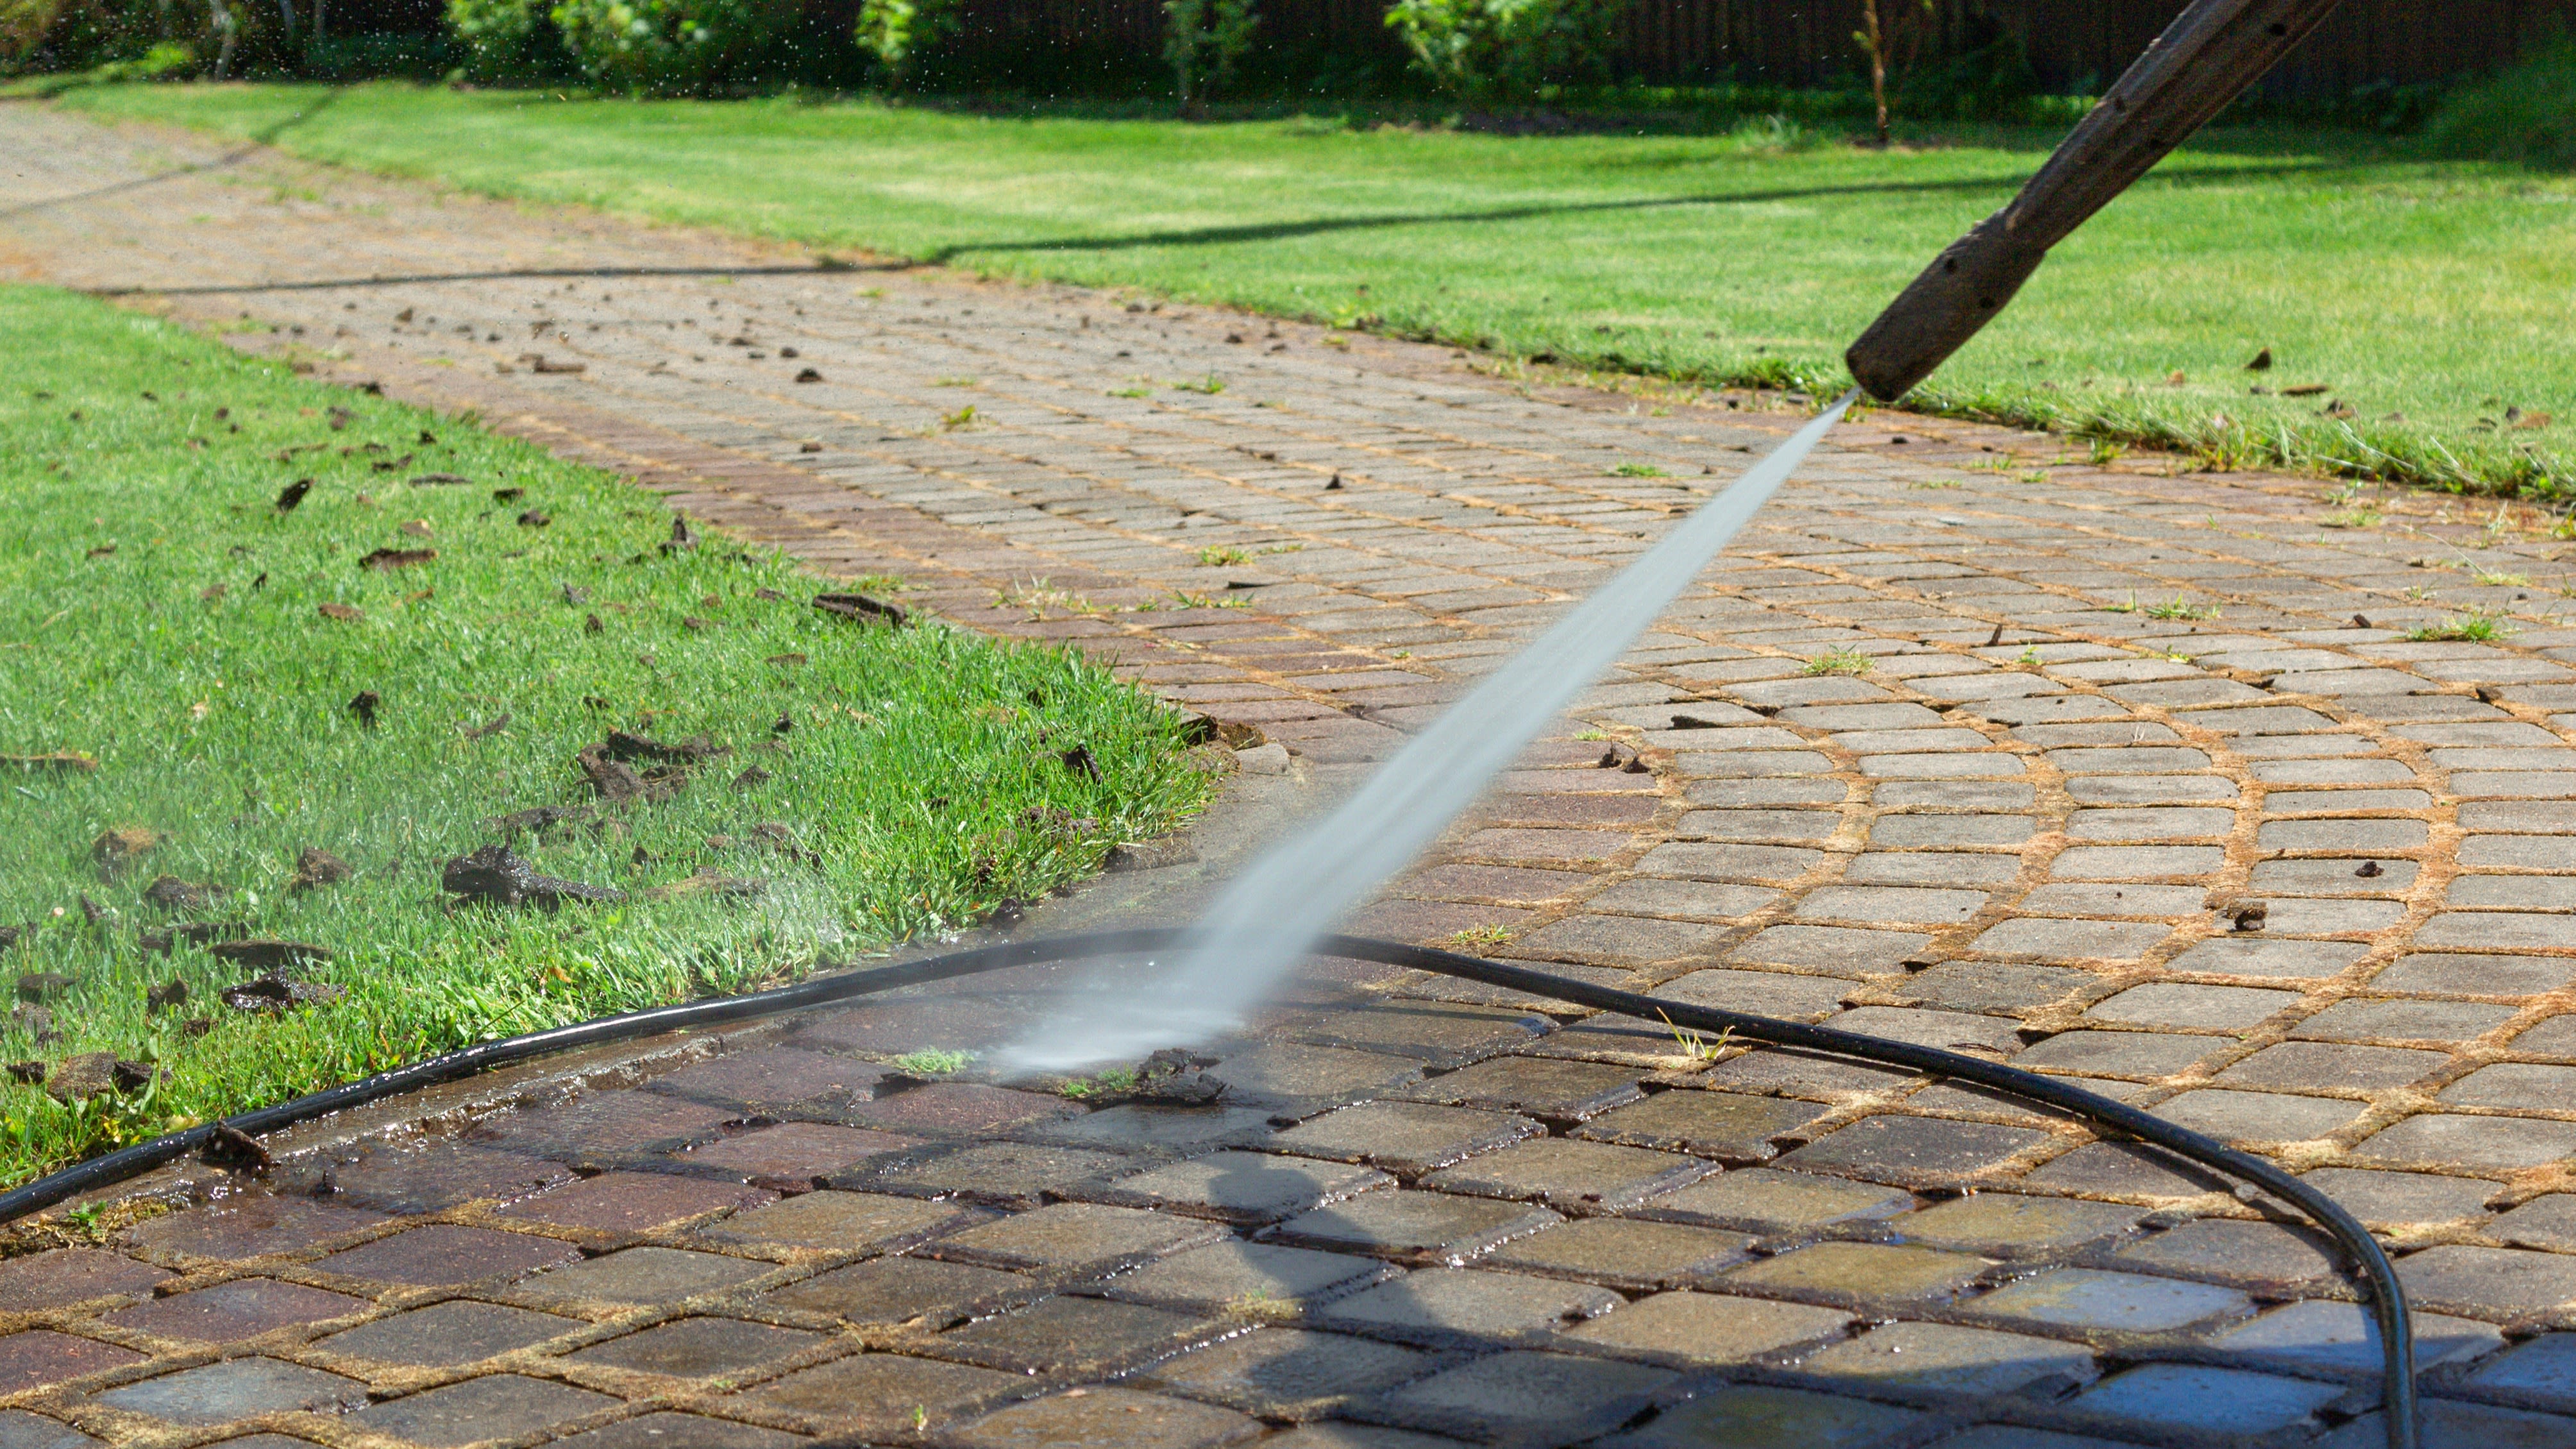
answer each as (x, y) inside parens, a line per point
(167, 620)
(2427, 298)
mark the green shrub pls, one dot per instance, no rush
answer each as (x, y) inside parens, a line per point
(896, 32)
(668, 47)
(1202, 42)
(2526, 114)
(1988, 77)
(496, 34)
(1508, 49)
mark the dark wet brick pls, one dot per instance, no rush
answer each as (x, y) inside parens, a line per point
(1915, 1149)
(1074, 1236)
(1760, 1200)
(842, 1221)
(2162, 1400)
(1947, 1359)
(1082, 1337)
(1439, 1034)
(1860, 1274)
(2090, 1300)
(2010, 1225)
(42, 1356)
(1727, 1126)
(699, 1347)
(1459, 1307)
(1623, 1253)
(458, 1331)
(1293, 1077)
(2273, 1259)
(1752, 1416)
(1005, 1174)
(1559, 1090)
(899, 1290)
(1686, 1328)
(773, 1080)
(1148, 1128)
(1244, 1188)
(894, 1028)
(679, 1431)
(399, 1177)
(1570, 1176)
(797, 1154)
(237, 1389)
(1802, 1074)
(1108, 1419)
(1526, 1397)
(1414, 1226)
(239, 1309)
(1256, 1279)
(250, 1226)
(641, 1275)
(632, 1202)
(602, 1124)
(964, 1109)
(71, 1275)
(441, 1254)
(1405, 1137)
(2128, 1169)
(879, 1393)
(1288, 1373)
(499, 1406)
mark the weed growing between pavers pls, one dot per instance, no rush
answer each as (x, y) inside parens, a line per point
(251, 688)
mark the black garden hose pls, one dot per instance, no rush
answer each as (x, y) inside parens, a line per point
(2388, 1299)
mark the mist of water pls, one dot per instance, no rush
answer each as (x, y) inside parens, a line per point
(1273, 914)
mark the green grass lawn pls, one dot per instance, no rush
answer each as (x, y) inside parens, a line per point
(167, 620)
(2433, 291)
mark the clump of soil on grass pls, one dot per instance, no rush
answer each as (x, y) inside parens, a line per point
(316, 868)
(497, 875)
(119, 847)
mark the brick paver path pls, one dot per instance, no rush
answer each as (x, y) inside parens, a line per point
(2145, 785)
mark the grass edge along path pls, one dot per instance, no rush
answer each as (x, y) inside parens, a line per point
(2409, 303)
(275, 652)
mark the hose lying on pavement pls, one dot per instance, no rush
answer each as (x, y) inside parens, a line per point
(2388, 1299)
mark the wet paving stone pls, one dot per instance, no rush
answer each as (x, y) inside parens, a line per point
(1462, 1308)
(2128, 1169)
(632, 1202)
(678, 1431)
(1624, 1253)
(2091, 1301)
(1254, 1280)
(1243, 1188)
(1751, 1416)
(1108, 1419)
(958, 1109)
(2342, 1337)
(1297, 1079)
(1685, 1329)
(1413, 1227)
(1436, 1034)
(441, 1255)
(1138, 1128)
(498, 1406)
(2272, 1259)
(965, 1021)
(1289, 1373)
(1570, 1176)
(2399, 1200)
(882, 1393)
(837, 1221)
(242, 1308)
(459, 1331)
(2490, 1283)
(1915, 1150)
(1011, 1175)
(42, 1356)
(1727, 1126)
(1524, 1397)
(640, 1275)
(575, 1131)
(772, 1081)
(1076, 1238)
(699, 1347)
(1950, 1360)
(1078, 1337)
(797, 1154)
(22, 1430)
(250, 1226)
(886, 1291)
(1535, 1086)
(72, 1275)
(409, 1177)
(1411, 1138)
(1763, 1200)
(1860, 1273)
(2006, 1225)
(2192, 1397)
(236, 1389)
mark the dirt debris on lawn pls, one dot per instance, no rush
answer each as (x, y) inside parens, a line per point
(497, 875)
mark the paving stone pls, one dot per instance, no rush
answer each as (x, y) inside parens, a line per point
(2271, 1259)
(1289, 1076)
(678, 1431)
(42, 1356)
(1943, 1358)
(2127, 1169)
(772, 1080)
(2236, 956)
(2331, 877)
(1557, 1090)
(1077, 1337)
(1438, 1034)
(1724, 1125)
(840, 1221)
(899, 1290)
(1246, 1188)
(2449, 1424)
(2093, 1301)
(964, 1021)
(640, 1275)
(1625, 1253)
(499, 1406)
(1003, 1174)
(2548, 1221)
(2344, 1337)
(1410, 1226)
(1108, 1419)
(2402, 1199)
(2466, 974)
(1994, 986)
(2078, 898)
(798, 1154)
(2192, 1008)
(443, 1255)
(1570, 1176)
(2450, 1140)
(2514, 1085)
(1945, 1030)
(576, 1130)
(1458, 1307)
(71, 1275)
(1760, 1200)
(2195, 1397)
(2541, 1370)
(1837, 950)
(1525, 1397)
(458, 1331)
(242, 1308)
(2138, 862)
(2555, 1037)
(2235, 1116)
(1077, 1237)
(1754, 1416)
(2009, 1225)
(1405, 1137)
(880, 1393)
(1288, 1373)
(2320, 1066)
(2495, 1283)
(237, 1389)
(1863, 1273)
(1807, 1074)
(959, 1109)
(632, 1202)
(1688, 899)
(1905, 1150)
(698, 1347)
(1623, 940)
(22, 1430)
(1146, 1128)
(1685, 1328)
(1254, 1280)
(2432, 1021)
(249, 1226)
(414, 1177)
(2133, 1054)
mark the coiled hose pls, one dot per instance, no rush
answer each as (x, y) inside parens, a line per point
(2388, 1299)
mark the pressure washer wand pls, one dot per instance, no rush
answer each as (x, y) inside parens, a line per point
(2206, 58)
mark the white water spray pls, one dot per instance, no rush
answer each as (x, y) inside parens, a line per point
(1275, 912)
